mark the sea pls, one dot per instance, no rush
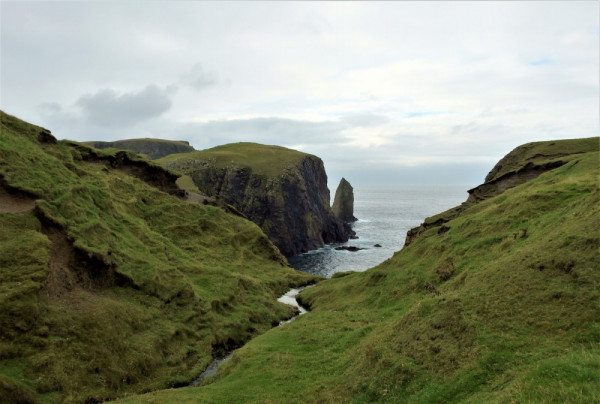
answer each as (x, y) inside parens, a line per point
(385, 214)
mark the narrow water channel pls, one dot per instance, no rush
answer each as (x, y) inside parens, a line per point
(288, 298)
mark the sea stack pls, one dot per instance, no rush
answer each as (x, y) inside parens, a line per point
(343, 203)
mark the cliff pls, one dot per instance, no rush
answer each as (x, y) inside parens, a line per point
(153, 148)
(343, 203)
(521, 165)
(283, 191)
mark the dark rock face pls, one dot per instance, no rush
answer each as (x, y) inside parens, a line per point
(292, 208)
(343, 203)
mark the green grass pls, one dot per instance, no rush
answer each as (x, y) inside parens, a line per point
(197, 280)
(153, 148)
(186, 182)
(542, 152)
(263, 159)
(516, 316)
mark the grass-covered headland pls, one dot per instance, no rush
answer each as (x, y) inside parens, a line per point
(500, 303)
(110, 283)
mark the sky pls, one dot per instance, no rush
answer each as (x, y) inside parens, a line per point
(384, 92)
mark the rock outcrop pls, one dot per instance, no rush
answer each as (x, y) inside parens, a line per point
(283, 191)
(153, 148)
(343, 203)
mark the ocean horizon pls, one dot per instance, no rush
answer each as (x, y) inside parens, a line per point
(385, 213)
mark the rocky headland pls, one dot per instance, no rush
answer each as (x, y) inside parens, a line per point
(283, 191)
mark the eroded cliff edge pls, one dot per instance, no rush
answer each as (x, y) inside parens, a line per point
(153, 148)
(282, 190)
(521, 165)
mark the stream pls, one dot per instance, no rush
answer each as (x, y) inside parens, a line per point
(287, 298)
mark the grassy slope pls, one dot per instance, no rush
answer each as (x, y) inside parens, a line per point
(153, 148)
(264, 160)
(541, 152)
(537, 153)
(484, 312)
(199, 279)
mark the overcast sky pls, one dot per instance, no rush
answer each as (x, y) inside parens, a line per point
(383, 92)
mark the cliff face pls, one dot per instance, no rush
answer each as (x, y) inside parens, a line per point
(153, 148)
(283, 191)
(343, 203)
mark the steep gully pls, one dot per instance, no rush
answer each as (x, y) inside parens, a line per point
(288, 298)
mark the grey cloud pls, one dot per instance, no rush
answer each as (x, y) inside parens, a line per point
(109, 108)
(365, 120)
(198, 79)
(263, 130)
(49, 108)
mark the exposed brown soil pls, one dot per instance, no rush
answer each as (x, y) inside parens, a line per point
(509, 180)
(13, 200)
(72, 269)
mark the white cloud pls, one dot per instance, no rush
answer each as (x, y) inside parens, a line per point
(361, 84)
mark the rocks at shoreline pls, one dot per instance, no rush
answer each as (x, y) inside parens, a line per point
(348, 248)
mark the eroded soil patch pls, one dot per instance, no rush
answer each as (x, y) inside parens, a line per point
(14, 201)
(70, 268)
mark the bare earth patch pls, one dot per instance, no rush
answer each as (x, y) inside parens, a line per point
(71, 269)
(11, 202)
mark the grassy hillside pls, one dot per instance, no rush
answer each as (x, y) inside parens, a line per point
(521, 165)
(501, 306)
(109, 285)
(153, 148)
(264, 160)
(540, 153)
